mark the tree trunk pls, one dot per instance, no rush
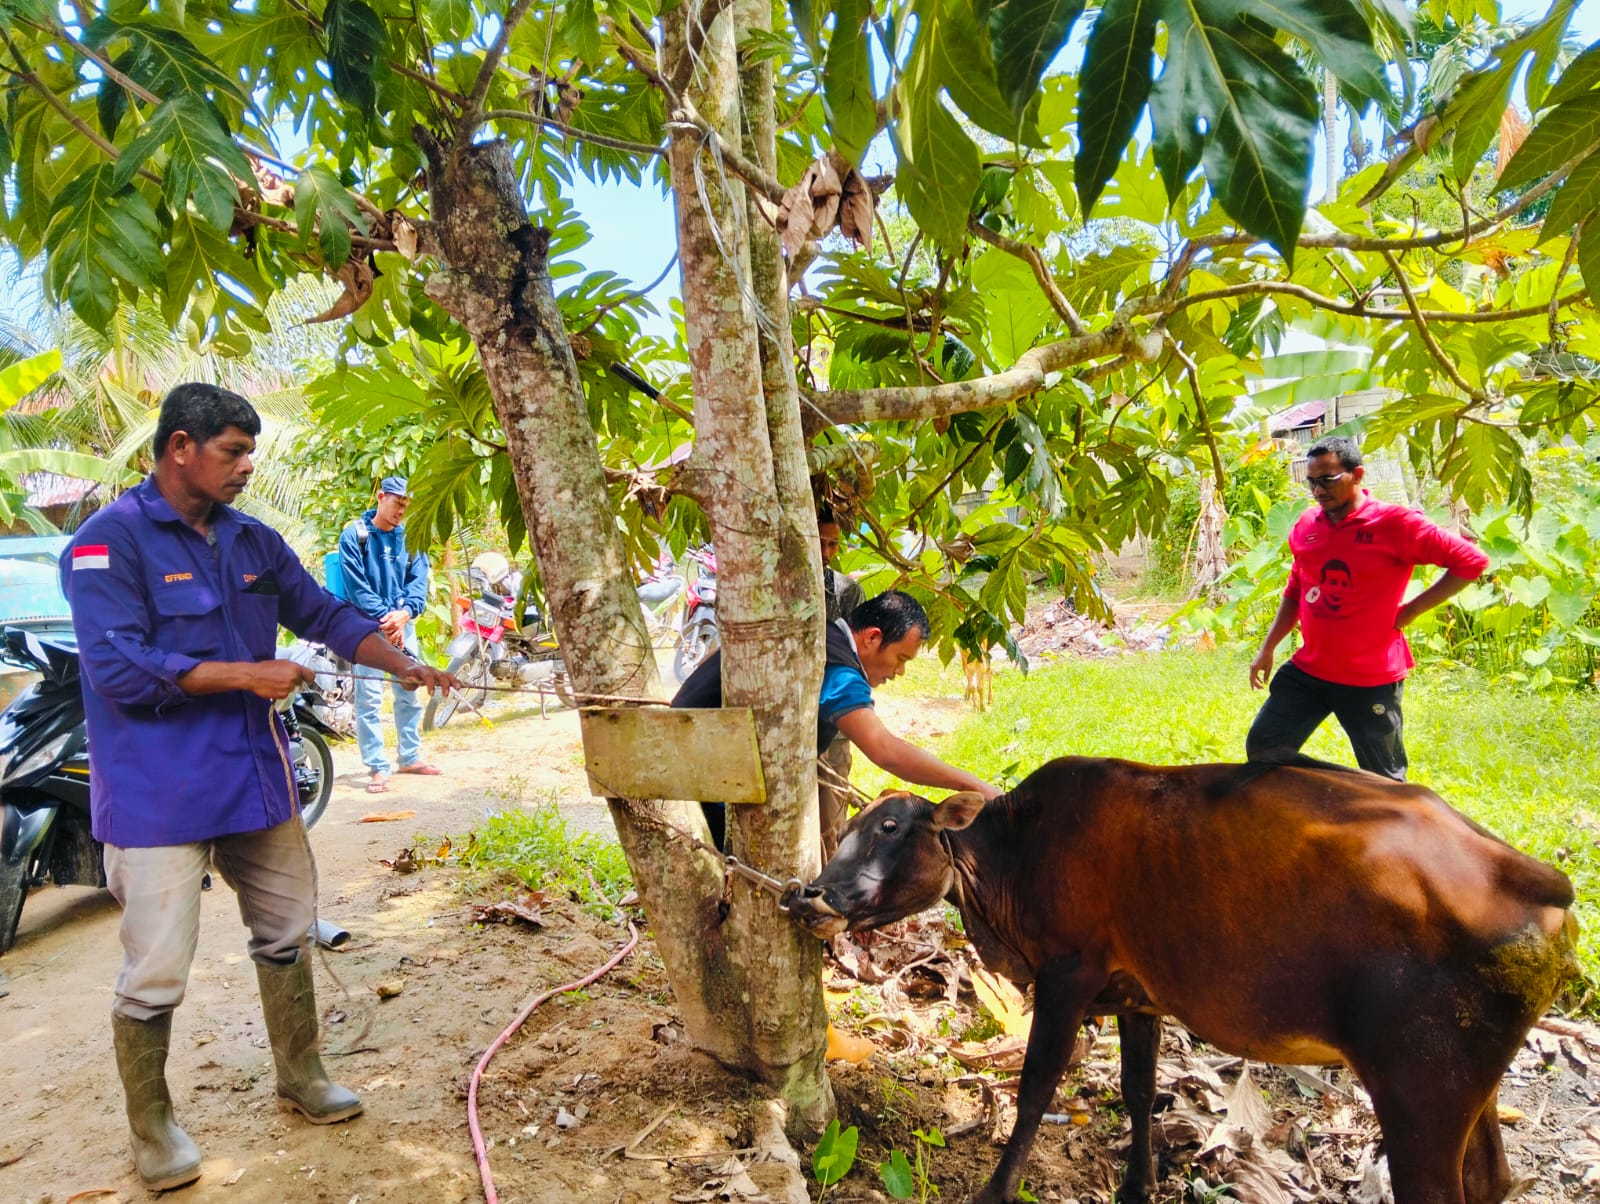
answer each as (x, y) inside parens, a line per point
(748, 473)
(1210, 558)
(497, 284)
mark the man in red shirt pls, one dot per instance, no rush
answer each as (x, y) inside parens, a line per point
(1353, 557)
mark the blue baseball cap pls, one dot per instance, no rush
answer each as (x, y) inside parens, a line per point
(395, 486)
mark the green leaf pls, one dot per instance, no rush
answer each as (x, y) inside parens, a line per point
(847, 81)
(1577, 199)
(1589, 257)
(835, 1153)
(1014, 307)
(356, 49)
(111, 99)
(580, 30)
(1112, 91)
(939, 165)
(1582, 74)
(24, 376)
(449, 18)
(1530, 591)
(1560, 135)
(323, 208)
(164, 61)
(1336, 33)
(1025, 36)
(1260, 111)
(64, 463)
(963, 62)
(203, 162)
(101, 234)
(804, 15)
(898, 1181)
(1568, 605)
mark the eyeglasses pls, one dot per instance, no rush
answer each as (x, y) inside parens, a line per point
(1327, 482)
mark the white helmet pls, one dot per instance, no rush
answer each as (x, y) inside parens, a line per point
(493, 567)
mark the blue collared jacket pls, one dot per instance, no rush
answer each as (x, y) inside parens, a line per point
(151, 599)
(379, 574)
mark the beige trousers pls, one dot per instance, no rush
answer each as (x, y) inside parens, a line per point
(272, 872)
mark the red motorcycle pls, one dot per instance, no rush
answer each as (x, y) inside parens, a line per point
(492, 647)
(698, 638)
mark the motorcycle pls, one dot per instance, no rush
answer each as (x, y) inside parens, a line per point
(698, 638)
(491, 646)
(44, 774)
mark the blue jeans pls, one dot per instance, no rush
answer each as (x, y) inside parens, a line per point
(369, 721)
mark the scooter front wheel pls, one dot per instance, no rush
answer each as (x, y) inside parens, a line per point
(472, 671)
(314, 775)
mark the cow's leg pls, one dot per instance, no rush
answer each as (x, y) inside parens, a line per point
(1141, 1043)
(1062, 990)
(1485, 1173)
(1426, 1120)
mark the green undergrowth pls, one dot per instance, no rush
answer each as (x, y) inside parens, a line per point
(537, 846)
(1523, 764)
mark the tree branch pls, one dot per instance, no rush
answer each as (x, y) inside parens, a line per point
(633, 148)
(1034, 258)
(22, 72)
(1192, 373)
(1555, 290)
(472, 112)
(1028, 375)
(1339, 240)
(1426, 335)
(1357, 309)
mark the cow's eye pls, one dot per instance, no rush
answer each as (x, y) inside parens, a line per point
(889, 825)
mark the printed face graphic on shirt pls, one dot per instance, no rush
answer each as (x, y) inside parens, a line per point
(1330, 594)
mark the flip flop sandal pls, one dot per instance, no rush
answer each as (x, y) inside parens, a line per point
(421, 767)
(379, 784)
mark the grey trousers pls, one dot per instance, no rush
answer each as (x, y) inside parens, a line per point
(272, 872)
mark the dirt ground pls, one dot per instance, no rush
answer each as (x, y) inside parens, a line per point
(598, 1097)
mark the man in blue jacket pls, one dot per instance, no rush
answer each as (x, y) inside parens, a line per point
(176, 600)
(389, 584)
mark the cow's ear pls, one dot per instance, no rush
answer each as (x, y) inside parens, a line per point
(958, 810)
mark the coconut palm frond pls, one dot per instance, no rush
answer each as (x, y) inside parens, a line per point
(299, 535)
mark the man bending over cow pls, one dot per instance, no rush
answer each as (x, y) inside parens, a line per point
(1353, 557)
(873, 645)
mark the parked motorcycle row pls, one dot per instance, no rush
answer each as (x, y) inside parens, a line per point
(45, 833)
(44, 771)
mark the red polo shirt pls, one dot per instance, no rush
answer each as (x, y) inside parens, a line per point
(1349, 579)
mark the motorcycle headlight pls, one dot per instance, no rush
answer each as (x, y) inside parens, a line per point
(37, 761)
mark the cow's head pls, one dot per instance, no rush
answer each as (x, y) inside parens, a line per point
(891, 863)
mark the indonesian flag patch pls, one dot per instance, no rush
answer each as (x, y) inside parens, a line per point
(91, 556)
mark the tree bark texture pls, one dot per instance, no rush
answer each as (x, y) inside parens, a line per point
(496, 282)
(748, 472)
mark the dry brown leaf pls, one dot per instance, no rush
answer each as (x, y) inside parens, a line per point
(508, 912)
(856, 208)
(383, 817)
(826, 189)
(1244, 1107)
(1004, 1002)
(357, 276)
(795, 214)
(390, 988)
(405, 237)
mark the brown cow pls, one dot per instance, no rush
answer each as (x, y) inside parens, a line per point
(1304, 914)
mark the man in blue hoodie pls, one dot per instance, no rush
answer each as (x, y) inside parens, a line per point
(388, 584)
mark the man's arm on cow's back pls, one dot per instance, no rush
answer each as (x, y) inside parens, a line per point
(905, 760)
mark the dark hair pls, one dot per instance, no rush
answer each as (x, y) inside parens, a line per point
(892, 612)
(1335, 566)
(1346, 448)
(203, 412)
(825, 515)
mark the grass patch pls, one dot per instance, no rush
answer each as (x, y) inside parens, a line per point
(537, 846)
(1520, 763)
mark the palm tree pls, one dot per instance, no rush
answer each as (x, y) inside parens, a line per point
(96, 416)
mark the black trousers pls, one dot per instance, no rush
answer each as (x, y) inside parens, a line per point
(1297, 703)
